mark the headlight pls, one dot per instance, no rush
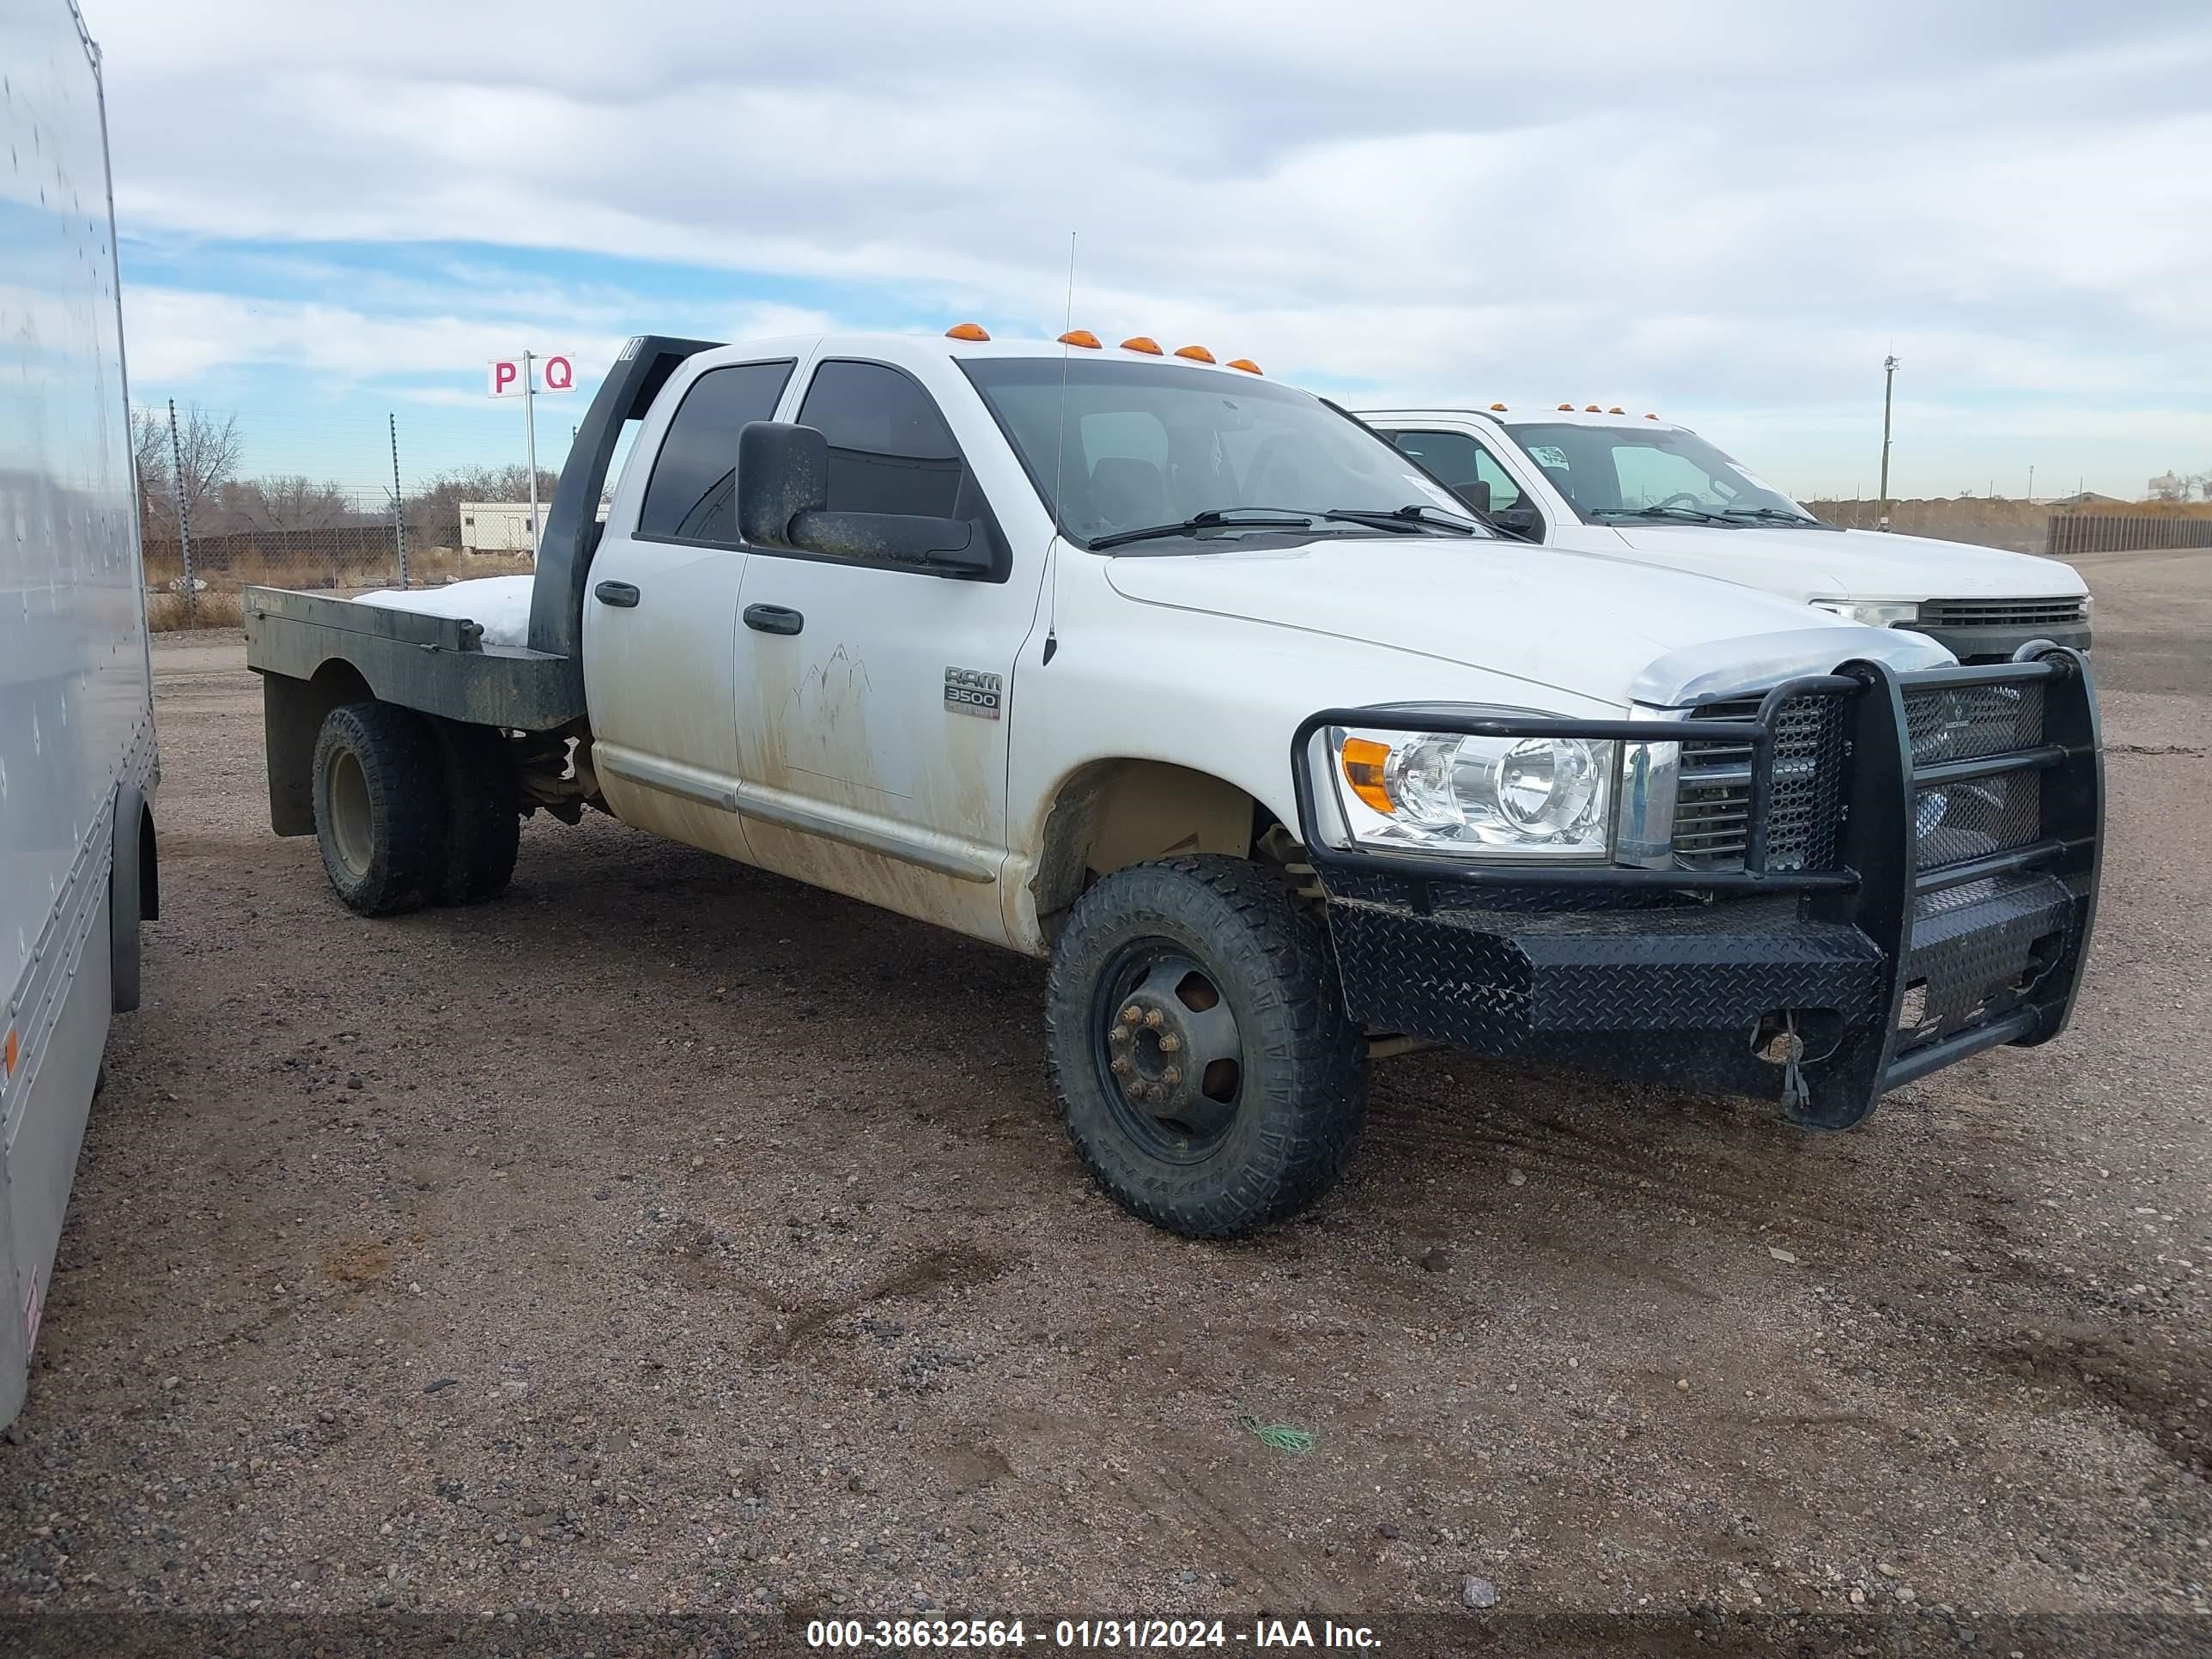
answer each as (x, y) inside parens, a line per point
(1881, 613)
(1506, 797)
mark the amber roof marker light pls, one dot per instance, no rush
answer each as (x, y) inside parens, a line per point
(1500, 408)
(1244, 363)
(1143, 342)
(1080, 337)
(1196, 354)
(966, 332)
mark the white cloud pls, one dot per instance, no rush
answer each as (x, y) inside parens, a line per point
(1722, 206)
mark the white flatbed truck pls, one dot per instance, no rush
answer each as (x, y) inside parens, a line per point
(78, 766)
(1192, 685)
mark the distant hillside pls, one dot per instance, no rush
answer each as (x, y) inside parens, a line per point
(2019, 525)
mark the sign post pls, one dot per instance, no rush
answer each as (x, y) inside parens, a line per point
(511, 377)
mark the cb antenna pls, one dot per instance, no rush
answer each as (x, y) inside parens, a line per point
(1059, 461)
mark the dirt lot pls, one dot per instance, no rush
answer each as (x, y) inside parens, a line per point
(671, 1237)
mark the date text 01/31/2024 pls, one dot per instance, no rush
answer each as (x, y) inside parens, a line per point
(1166, 1635)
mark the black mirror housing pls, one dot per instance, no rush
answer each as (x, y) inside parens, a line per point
(1521, 520)
(783, 488)
(1475, 493)
(783, 471)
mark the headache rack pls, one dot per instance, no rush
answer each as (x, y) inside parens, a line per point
(1951, 817)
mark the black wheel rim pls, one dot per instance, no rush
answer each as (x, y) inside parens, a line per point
(1170, 1057)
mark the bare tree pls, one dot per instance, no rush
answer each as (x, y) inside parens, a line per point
(207, 445)
(295, 502)
(149, 447)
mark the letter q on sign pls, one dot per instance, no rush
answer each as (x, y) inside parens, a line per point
(560, 374)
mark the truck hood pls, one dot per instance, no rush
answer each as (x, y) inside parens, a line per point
(1587, 626)
(1856, 564)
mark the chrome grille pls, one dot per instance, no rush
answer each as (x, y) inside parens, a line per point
(2004, 613)
(1712, 805)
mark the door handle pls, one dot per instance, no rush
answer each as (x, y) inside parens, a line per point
(616, 593)
(773, 619)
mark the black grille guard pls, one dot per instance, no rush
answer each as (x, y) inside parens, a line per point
(1876, 888)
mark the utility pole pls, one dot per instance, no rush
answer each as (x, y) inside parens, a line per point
(184, 506)
(398, 519)
(1888, 377)
(529, 443)
(2031, 483)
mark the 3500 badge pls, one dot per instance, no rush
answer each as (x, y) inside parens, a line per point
(972, 691)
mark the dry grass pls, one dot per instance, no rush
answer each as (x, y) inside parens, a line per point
(218, 604)
(167, 613)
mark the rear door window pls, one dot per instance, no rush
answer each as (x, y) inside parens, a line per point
(692, 494)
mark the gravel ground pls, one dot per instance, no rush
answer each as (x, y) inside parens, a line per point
(671, 1237)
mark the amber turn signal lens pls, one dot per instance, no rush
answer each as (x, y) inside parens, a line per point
(1364, 760)
(966, 332)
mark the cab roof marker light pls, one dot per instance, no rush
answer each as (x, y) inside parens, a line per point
(1196, 354)
(1244, 363)
(1650, 418)
(1592, 409)
(1500, 408)
(1080, 337)
(1143, 342)
(966, 332)
(1616, 410)
(1568, 407)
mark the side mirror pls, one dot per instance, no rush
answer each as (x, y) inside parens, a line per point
(783, 486)
(1476, 494)
(1521, 520)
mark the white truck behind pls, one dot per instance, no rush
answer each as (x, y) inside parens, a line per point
(1600, 481)
(77, 762)
(1192, 685)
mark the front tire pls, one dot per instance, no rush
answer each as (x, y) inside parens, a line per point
(380, 807)
(1198, 1047)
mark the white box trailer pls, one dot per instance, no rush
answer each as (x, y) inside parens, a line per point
(77, 763)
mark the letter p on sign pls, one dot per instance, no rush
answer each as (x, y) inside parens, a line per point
(505, 377)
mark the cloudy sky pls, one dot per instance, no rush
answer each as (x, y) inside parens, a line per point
(1725, 213)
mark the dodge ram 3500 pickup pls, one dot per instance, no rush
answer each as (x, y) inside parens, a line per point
(1597, 481)
(1191, 684)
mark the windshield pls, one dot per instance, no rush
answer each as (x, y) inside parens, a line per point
(1609, 473)
(1158, 444)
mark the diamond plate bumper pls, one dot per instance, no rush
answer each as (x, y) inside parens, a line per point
(1918, 948)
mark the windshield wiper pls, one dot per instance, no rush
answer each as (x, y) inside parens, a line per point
(1777, 515)
(1675, 514)
(1410, 516)
(1214, 518)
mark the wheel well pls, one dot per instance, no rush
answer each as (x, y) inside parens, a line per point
(149, 868)
(292, 715)
(1117, 812)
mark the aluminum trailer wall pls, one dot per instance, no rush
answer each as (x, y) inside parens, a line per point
(77, 762)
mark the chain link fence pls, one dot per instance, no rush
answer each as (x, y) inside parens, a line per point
(209, 531)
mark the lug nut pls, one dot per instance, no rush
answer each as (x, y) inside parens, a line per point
(1171, 1043)
(1155, 1019)
(1121, 1034)
(1132, 1015)
(1122, 1066)
(1172, 1076)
